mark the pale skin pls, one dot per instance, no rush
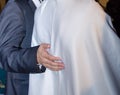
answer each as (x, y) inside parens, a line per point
(49, 61)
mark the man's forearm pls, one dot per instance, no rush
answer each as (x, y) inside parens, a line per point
(14, 59)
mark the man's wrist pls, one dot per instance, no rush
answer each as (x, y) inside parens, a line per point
(41, 67)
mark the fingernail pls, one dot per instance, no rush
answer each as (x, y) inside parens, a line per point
(48, 46)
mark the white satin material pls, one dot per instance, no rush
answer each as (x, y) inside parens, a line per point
(37, 3)
(81, 33)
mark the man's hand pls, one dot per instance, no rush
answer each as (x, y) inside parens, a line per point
(47, 60)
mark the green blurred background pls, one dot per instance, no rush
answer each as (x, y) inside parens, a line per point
(2, 81)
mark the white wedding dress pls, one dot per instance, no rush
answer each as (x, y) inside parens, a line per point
(81, 33)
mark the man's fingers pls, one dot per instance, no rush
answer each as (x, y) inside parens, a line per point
(47, 60)
(52, 58)
(46, 55)
(53, 65)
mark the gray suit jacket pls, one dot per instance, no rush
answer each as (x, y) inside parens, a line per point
(16, 56)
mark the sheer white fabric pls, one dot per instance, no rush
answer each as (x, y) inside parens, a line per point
(81, 33)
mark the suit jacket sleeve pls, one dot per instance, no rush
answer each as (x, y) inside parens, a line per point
(113, 9)
(13, 58)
